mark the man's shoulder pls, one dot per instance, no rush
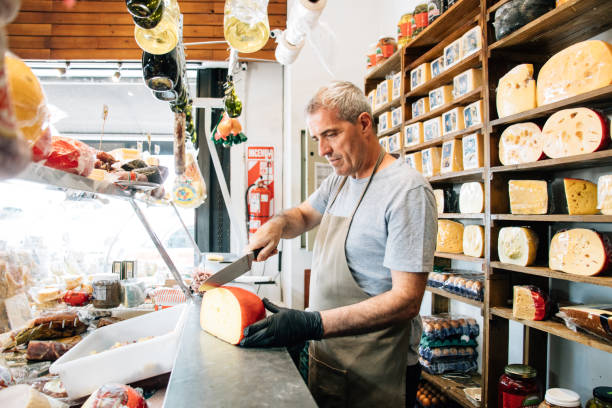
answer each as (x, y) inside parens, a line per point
(402, 177)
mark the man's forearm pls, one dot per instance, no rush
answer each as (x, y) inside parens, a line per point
(292, 222)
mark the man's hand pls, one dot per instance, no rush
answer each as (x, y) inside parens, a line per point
(267, 238)
(286, 327)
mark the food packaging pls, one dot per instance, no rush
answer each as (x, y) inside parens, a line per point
(530, 303)
(517, 13)
(71, 155)
(441, 367)
(82, 372)
(189, 188)
(113, 395)
(446, 326)
(447, 353)
(594, 319)
(469, 285)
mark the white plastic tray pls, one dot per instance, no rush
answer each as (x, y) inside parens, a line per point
(82, 372)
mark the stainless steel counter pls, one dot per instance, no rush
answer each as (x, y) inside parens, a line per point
(211, 373)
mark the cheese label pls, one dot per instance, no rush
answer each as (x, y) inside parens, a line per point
(452, 157)
(452, 121)
(472, 114)
(431, 161)
(397, 86)
(420, 107)
(384, 92)
(466, 82)
(394, 143)
(413, 134)
(452, 54)
(384, 122)
(372, 99)
(420, 75)
(471, 42)
(432, 129)
(396, 117)
(440, 96)
(437, 66)
(473, 151)
(414, 160)
(383, 141)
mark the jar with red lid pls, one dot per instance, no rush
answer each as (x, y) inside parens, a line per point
(385, 48)
(602, 398)
(518, 387)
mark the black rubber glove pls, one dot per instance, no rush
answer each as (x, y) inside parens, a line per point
(286, 327)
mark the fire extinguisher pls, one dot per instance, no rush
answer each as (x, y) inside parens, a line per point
(258, 206)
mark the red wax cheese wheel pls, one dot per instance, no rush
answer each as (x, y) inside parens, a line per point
(575, 131)
(227, 311)
(580, 251)
(521, 143)
(115, 395)
(529, 303)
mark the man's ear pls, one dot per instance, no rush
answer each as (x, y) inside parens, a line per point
(365, 121)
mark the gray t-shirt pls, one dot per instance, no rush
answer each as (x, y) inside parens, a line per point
(394, 227)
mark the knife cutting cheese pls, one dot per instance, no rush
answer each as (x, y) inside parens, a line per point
(239, 267)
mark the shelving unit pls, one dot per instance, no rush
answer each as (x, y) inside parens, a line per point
(453, 388)
(390, 131)
(535, 43)
(443, 293)
(388, 106)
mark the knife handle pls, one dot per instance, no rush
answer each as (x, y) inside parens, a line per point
(256, 253)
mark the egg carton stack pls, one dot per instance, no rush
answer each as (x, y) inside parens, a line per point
(449, 344)
(463, 283)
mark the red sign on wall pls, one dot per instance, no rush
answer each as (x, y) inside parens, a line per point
(260, 167)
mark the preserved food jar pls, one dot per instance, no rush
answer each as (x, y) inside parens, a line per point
(385, 48)
(518, 387)
(371, 56)
(435, 8)
(245, 24)
(602, 398)
(106, 291)
(560, 398)
(421, 18)
(404, 30)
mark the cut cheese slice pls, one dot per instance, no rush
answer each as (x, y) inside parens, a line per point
(529, 303)
(452, 156)
(440, 96)
(473, 241)
(431, 161)
(473, 151)
(580, 251)
(579, 197)
(420, 107)
(450, 237)
(415, 160)
(432, 129)
(413, 134)
(574, 131)
(580, 68)
(521, 143)
(516, 91)
(604, 194)
(528, 196)
(517, 245)
(420, 75)
(439, 196)
(471, 198)
(227, 311)
(472, 114)
(452, 121)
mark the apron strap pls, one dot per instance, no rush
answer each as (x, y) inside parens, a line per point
(381, 155)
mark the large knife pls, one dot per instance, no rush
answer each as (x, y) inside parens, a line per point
(239, 267)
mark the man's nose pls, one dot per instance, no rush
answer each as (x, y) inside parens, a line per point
(324, 148)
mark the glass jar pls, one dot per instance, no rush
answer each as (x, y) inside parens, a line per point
(106, 291)
(385, 48)
(421, 18)
(518, 387)
(245, 24)
(560, 398)
(404, 30)
(371, 56)
(602, 398)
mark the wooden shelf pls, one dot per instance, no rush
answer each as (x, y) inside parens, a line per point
(556, 329)
(452, 388)
(463, 100)
(549, 273)
(388, 106)
(581, 161)
(454, 18)
(569, 23)
(462, 216)
(458, 257)
(446, 77)
(496, 6)
(552, 218)
(443, 293)
(380, 71)
(390, 131)
(458, 176)
(597, 98)
(439, 140)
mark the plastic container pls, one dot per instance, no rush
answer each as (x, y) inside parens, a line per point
(560, 398)
(385, 48)
(602, 398)
(404, 30)
(371, 56)
(82, 372)
(518, 387)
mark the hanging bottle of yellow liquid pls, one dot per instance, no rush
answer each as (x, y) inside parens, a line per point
(245, 24)
(164, 36)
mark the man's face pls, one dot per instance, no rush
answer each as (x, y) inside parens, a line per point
(342, 143)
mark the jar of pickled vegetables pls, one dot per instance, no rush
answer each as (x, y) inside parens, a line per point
(518, 387)
(421, 18)
(385, 48)
(560, 398)
(371, 56)
(404, 30)
(602, 398)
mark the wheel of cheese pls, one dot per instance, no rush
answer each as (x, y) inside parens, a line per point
(471, 198)
(579, 68)
(574, 131)
(517, 245)
(473, 240)
(516, 91)
(529, 303)
(450, 237)
(528, 196)
(227, 311)
(521, 143)
(580, 251)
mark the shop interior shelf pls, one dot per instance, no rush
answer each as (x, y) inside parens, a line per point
(453, 388)
(581, 161)
(380, 71)
(463, 100)
(458, 176)
(552, 218)
(390, 131)
(439, 140)
(458, 257)
(454, 18)
(556, 329)
(569, 23)
(387, 106)
(598, 98)
(462, 216)
(549, 273)
(443, 293)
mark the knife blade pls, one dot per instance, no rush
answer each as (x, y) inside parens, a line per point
(239, 267)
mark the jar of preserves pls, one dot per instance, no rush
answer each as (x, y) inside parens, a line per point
(404, 30)
(518, 387)
(421, 18)
(385, 48)
(106, 291)
(560, 398)
(602, 398)
(371, 56)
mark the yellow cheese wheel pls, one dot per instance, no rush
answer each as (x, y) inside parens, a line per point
(517, 245)
(450, 237)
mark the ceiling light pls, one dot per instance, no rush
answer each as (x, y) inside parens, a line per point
(116, 76)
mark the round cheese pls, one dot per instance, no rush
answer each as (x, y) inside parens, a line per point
(579, 251)
(516, 91)
(471, 198)
(521, 143)
(517, 245)
(450, 237)
(574, 131)
(473, 240)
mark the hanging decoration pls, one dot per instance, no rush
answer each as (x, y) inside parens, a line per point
(228, 132)
(245, 24)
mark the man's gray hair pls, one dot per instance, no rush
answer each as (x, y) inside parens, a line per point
(344, 97)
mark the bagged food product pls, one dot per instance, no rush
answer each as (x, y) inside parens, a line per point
(47, 327)
(71, 155)
(517, 13)
(447, 353)
(114, 396)
(594, 319)
(467, 285)
(437, 279)
(441, 367)
(444, 326)
(449, 342)
(6, 378)
(189, 188)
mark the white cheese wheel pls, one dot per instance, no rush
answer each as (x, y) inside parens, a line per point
(439, 196)
(580, 251)
(471, 198)
(473, 240)
(450, 237)
(521, 143)
(516, 91)
(528, 196)
(574, 131)
(517, 245)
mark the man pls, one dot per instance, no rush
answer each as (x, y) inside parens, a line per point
(375, 245)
